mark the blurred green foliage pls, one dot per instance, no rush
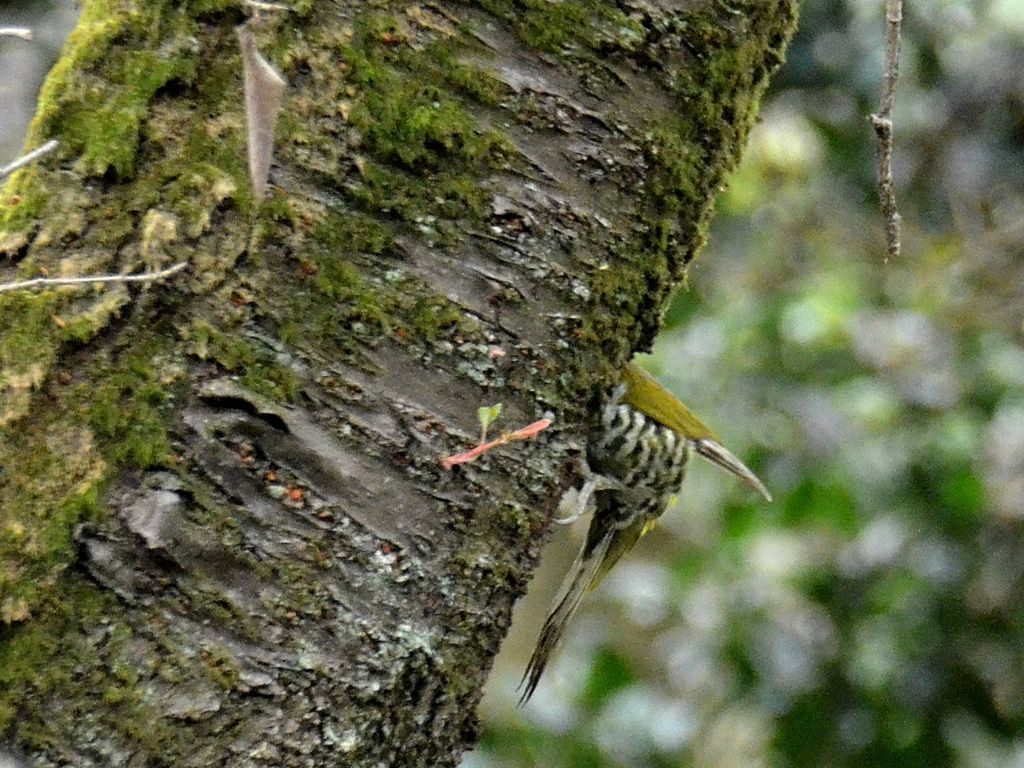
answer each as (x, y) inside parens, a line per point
(873, 615)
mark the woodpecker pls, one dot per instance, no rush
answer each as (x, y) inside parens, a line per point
(636, 460)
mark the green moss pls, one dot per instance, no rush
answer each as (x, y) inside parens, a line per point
(26, 317)
(21, 204)
(258, 367)
(434, 318)
(448, 196)
(686, 154)
(412, 128)
(75, 509)
(421, 157)
(420, 160)
(48, 484)
(355, 306)
(221, 667)
(550, 27)
(94, 670)
(204, 7)
(718, 93)
(26, 347)
(100, 121)
(337, 309)
(336, 279)
(220, 610)
(99, 101)
(674, 178)
(194, 196)
(108, 136)
(579, 27)
(721, 97)
(79, 330)
(476, 83)
(58, 458)
(26, 676)
(349, 311)
(357, 233)
(25, 668)
(216, 172)
(418, 127)
(127, 413)
(81, 327)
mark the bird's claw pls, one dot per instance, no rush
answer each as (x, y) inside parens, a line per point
(578, 501)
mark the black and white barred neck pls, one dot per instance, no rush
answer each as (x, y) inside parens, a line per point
(648, 458)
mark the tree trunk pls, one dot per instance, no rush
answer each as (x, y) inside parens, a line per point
(226, 535)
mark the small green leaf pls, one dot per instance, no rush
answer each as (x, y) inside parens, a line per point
(488, 414)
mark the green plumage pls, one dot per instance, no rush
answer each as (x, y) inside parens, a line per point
(645, 394)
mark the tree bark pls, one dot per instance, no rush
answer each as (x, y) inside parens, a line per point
(226, 535)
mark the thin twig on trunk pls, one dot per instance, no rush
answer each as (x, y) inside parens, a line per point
(24, 160)
(23, 32)
(46, 282)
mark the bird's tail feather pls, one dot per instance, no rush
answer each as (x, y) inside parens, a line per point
(585, 572)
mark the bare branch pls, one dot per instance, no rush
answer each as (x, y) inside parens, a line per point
(32, 156)
(45, 282)
(882, 123)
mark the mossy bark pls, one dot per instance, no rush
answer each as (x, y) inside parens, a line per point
(225, 533)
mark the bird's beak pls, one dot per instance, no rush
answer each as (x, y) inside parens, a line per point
(713, 451)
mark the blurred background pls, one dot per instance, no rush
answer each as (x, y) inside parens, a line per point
(24, 64)
(873, 615)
